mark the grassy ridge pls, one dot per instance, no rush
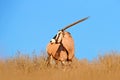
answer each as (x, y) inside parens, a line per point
(23, 67)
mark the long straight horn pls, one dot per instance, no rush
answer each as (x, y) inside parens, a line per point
(74, 23)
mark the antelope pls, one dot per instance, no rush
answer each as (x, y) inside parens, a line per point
(61, 46)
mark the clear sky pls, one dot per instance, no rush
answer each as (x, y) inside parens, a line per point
(28, 25)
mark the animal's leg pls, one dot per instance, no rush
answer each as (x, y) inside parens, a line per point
(56, 62)
(69, 62)
(63, 63)
(49, 59)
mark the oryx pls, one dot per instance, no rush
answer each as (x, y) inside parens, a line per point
(61, 46)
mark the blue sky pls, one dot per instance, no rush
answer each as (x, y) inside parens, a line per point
(28, 25)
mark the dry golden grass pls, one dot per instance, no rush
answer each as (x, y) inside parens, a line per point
(22, 67)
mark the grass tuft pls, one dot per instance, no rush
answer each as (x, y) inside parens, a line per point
(25, 67)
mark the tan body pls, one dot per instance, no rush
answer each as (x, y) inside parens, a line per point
(57, 52)
(63, 51)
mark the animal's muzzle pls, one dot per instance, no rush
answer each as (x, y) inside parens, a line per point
(52, 41)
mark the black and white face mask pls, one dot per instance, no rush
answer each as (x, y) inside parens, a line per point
(57, 38)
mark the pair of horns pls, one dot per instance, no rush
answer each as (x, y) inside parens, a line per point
(81, 20)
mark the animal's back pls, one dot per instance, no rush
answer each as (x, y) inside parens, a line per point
(68, 43)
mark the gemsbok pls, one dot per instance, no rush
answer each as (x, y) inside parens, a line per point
(61, 46)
